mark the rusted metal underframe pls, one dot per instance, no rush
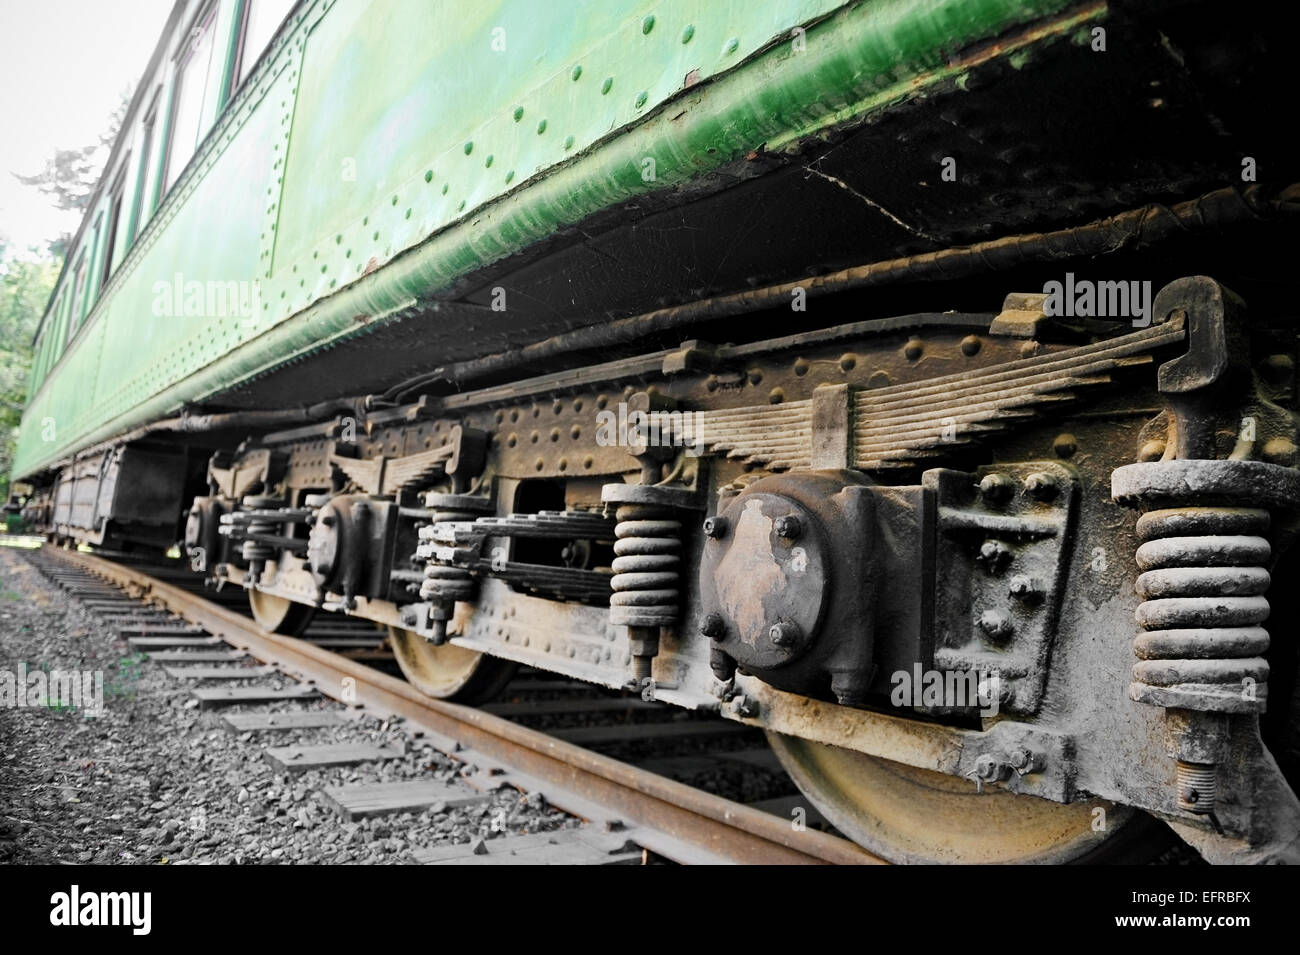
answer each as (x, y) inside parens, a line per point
(666, 813)
(1132, 229)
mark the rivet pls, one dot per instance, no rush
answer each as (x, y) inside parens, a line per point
(715, 528)
(994, 553)
(1021, 586)
(1277, 369)
(1279, 450)
(688, 33)
(995, 624)
(577, 72)
(970, 345)
(801, 367)
(510, 175)
(913, 349)
(730, 46)
(428, 175)
(648, 24)
(848, 361)
(606, 86)
(469, 148)
(1152, 451)
(541, 127)
(487, 163)
(1065, 445)
(519, 113)
(568, 142)
(641, 99)
(775, 396)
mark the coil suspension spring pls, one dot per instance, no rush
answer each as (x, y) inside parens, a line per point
(1202, 645)
(253, 550)
(444, 583)
(647, 570)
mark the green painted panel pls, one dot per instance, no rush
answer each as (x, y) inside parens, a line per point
(388, 113)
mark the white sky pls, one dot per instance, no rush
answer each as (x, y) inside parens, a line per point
(64, 65)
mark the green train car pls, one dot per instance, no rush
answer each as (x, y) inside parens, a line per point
(913, 379)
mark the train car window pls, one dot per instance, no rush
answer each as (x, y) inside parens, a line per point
(142, 202)
(61, 323)
(111, 247)
(262, 18)
(65, 319)
(78, 291)
(188, 95)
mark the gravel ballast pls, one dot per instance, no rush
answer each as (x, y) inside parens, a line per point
(155, 779)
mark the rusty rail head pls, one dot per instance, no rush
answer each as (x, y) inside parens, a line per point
(667, 813)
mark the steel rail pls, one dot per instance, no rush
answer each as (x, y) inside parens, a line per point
(670, 818)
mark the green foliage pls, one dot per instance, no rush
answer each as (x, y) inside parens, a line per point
(25, 287)
(70, 175)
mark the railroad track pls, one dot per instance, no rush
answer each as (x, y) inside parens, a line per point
(629, 813)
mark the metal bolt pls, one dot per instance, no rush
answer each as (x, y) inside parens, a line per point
(784, 634)
(744, 706)
(788, 527)
(713, 626)
(1024, 761)
(995, 554)
(1040, 486)
(715, 527)
(997, 487)
(995, 624)
(1197, 786)
(989, 768)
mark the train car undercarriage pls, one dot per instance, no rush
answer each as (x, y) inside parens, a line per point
(911, 549)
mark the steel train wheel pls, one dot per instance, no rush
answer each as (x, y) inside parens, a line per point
(916, 816)
(279, 615)
(449, 672)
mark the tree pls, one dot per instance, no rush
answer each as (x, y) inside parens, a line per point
(70, 175)
(25, 287)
